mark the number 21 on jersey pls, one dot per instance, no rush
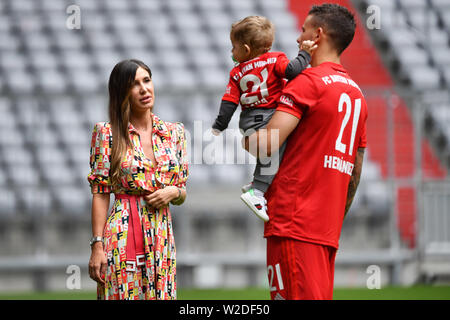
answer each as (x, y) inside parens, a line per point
(258, 92)
(345, 100)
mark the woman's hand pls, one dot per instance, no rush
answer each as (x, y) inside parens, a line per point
(97, 263)
(162, 197)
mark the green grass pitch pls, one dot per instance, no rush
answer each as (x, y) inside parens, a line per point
(388, 293)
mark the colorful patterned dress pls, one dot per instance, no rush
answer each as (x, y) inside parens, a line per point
(152, 274)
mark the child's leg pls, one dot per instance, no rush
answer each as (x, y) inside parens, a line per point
(256, 118)
(266, 170)
(253, 119)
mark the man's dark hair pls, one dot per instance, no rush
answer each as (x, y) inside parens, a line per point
(337, 22)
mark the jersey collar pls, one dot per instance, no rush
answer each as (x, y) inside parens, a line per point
(159, 127)
(334, 66)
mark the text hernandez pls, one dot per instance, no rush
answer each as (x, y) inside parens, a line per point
(338, 164)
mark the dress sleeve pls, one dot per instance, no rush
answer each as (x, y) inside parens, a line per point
(182, 156)
(100, 158)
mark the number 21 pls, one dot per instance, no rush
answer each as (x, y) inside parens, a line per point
(345, 99)
(252, 96)
(271, 276)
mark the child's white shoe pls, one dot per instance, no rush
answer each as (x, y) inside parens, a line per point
(255, 200)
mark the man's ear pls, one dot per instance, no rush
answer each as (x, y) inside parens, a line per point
(318, 35)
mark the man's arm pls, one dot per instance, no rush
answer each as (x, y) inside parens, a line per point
(265, 141)
(354, 180)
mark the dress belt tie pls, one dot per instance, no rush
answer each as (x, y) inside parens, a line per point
(135, 239)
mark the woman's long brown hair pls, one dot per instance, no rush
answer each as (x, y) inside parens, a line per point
(120, 82)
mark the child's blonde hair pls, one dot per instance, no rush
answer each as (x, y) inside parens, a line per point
(255, 31)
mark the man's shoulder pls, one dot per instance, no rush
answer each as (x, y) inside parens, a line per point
(315, 75)
(309, 76)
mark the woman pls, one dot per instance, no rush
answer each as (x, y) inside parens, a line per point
(143, 161)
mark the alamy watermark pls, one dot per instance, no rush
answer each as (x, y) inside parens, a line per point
(374, 280)
(73, 21)
(374, 20)
(73, 281)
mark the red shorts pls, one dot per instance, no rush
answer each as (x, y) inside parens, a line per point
(299, 270)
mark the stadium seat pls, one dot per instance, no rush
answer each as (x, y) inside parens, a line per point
(8, 200)
(282, 21)
(423, 19)
(424, 78)
(204, 59)
(188, 21)
(12, 61)
(43, 59)
(209, 5)
(37, 201)
(146, 6)
(414, 4)
(22, 176)
(51, 80)
(19, 81)
(94, 108)
(399, 37)
(16, 155)
(71, 200)
(270, 5)
(175, 5)
(218, 20)
(6, 109)
(196, 42)
(43, 136)
(93, 21)
(116, 6)
(220, 37)
(440, 4)
(441, 56)
(10, 136)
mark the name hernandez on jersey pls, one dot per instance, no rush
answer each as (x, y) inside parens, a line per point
(257, 82)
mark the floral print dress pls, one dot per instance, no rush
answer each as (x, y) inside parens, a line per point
(152, 274)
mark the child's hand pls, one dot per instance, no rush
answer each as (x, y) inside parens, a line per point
(308, 46)
(215, 132)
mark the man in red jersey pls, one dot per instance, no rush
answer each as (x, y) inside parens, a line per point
(322, 115)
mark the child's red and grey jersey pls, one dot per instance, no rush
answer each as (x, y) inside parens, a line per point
(258, 82)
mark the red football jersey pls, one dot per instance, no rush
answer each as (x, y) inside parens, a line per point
(258, 82)
(306, 200)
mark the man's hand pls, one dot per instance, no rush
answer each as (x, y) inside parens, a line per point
(267, 140)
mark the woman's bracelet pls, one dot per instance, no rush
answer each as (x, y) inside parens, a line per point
(175, 201)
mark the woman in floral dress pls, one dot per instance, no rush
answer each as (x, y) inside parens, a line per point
(143, 161)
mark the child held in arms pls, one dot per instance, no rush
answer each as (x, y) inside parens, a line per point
(256, 83)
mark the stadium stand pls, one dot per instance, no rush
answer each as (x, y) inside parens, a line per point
(54, 79)
(53, 84)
